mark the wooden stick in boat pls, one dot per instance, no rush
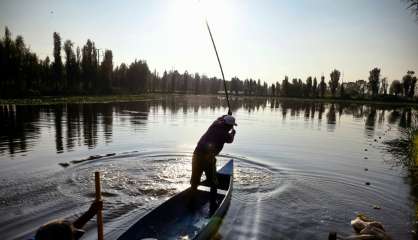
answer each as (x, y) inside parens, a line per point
(99, 212)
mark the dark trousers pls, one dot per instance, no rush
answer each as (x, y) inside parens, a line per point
(204, 163)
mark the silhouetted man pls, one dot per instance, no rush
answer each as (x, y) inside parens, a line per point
(210, 144)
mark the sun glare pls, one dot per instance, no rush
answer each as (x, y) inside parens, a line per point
(184, 24)
(191, 14)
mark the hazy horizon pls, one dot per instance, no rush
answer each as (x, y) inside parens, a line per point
(261, 41)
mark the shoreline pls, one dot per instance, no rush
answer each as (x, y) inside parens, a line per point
(55, 100)
(352, 101)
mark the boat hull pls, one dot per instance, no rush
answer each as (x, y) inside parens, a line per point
(177, 218)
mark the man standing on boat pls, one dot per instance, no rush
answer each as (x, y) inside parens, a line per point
(210, 144)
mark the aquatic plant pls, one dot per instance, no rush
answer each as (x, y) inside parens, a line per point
(404, 149)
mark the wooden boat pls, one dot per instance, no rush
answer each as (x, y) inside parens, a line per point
(177, 218)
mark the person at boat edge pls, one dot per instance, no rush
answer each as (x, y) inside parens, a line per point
(66, 230)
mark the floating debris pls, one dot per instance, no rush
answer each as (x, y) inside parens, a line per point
(367, 183)
(94, 157)
(366, 169)
(64, 164)
(376, 207)
(366, 158)
(365, 149)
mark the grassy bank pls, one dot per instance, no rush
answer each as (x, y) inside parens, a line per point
(49, 100)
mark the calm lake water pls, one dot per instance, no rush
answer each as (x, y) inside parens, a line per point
(301, 167)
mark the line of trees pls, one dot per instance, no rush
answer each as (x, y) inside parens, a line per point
(23, 74)
(375, 87)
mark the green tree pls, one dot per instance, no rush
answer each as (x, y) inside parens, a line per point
(246, 87)
(152, 81)
(19, 57)
(259, 88)
(78, 69)
(137, 76)
(333, 83)
(384, 86)
(164, 82)
(409, 81)
(186, 77)
(395, 88)
(6, 63)
(374, 81)
(96, 70)
(88, 68)
(294, 90)
(361, 87)
(265, 89)
(204, 82)
(46, 75)
(278, 89)
(299, 88)
(32, 73)
(308, 88)
(107, 72)
(197, 84)
(214, 85)
(235, 85)
(322, 87)
(285, 87)
(351, 90)
(342, 91)
(70, 65)
(120, 79)
(57, 66)
(315, 88)
(174, 76)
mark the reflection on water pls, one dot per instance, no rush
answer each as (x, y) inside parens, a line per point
(74, 124)
(78, 124)
(19, 128)
(404, 150)
(301, 167)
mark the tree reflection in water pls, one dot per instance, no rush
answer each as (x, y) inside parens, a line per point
(404, 149)
(88, 124)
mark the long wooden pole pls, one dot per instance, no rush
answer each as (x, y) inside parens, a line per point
(220, 66)
(99, 212)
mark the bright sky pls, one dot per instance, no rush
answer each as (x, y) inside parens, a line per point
(258, 39)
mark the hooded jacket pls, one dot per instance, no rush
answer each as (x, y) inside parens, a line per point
(215, 137)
